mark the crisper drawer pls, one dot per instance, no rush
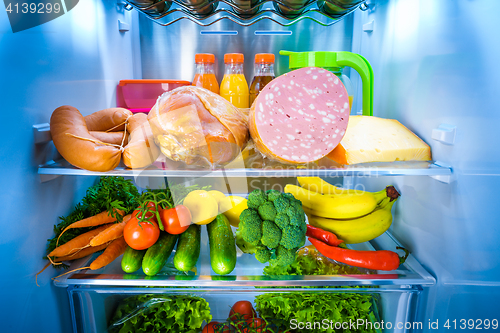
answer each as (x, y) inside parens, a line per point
(374, 309)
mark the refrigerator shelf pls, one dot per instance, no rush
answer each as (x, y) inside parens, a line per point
(167, 12)
(164, 169)
(247, 273)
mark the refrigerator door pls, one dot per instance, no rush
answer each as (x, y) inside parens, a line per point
(436, 70)
(76, 59)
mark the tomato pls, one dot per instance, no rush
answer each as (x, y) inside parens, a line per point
(151, 207)
(216, 327)
(175, 220)
(256, 325)
(141, 236)
(211, 327)
(242, 310)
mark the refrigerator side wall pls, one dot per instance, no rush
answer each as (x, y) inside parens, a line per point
(436, 62)
(76, 59)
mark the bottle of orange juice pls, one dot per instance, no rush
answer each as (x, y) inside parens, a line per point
(205, 74)
(234, 86)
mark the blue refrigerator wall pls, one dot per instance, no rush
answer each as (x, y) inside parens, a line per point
(436, 62)
(76, 59)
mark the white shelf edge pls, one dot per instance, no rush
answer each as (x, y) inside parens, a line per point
(64, 169)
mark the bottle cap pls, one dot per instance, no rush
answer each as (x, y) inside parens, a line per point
(204, 57)
(234, 58)
(267, 58)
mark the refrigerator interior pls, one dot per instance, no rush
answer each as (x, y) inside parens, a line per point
(434, 64)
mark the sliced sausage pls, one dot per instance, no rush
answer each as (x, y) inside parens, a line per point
(300, 116)
(74, 142)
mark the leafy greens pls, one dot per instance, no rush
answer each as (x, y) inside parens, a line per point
(160, 313)
(302, 307)
(108, 194)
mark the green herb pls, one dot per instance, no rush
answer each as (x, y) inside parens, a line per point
(279, 309)
(109, 194)
(160, 313)
(311, 262)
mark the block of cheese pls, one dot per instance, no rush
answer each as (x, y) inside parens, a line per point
(373, 139)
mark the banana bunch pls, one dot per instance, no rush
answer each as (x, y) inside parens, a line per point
(354, 216)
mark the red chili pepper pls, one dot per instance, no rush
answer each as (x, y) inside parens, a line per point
(380, 260)
(323, 235)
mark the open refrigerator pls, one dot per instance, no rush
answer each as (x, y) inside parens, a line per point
(435, 71)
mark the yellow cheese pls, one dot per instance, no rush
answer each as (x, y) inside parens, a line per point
(372, 139)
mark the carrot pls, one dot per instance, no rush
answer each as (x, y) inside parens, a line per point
(77, 243)
(111, 233)
(113, 251)
(99, 219)
(77, 255)
(80, 254)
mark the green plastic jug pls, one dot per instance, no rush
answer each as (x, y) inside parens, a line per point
(335, 62)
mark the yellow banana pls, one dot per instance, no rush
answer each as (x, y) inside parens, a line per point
(337, 206)
(361, 229)
(318, 185)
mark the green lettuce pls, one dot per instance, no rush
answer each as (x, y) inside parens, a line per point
(279, 309)
(160, 313)
(309, 261)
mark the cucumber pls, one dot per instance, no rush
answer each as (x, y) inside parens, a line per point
(188, 248)
(222, 245)
(157, 255)
(132, 260)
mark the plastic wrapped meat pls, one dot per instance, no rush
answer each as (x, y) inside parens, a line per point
(197, 127)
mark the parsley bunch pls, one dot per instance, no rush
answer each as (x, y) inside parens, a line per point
(109, 194)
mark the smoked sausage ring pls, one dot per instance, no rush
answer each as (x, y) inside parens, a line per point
(72, 139)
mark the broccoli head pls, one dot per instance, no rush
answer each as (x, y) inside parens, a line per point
(284, 257)
(282, 220)
(245, 247)
(250, 226)
(267, 211)
(273, 195)
(272, 227)
(292, 237)
(249, 215)
(256, 198)
(281, 204)
(263, 254)
(297, 216)
(296, 204)
(303, 240)
(271, 234)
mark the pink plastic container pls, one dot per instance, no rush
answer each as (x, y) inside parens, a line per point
(141, 95)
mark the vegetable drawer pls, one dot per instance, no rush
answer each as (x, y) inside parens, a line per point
(374, 309)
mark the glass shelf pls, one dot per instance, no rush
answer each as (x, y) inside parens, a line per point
(167, 12)
(165, 170)
(248, 273)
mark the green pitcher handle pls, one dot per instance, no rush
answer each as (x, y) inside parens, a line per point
(363, 67)
(338, 59)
